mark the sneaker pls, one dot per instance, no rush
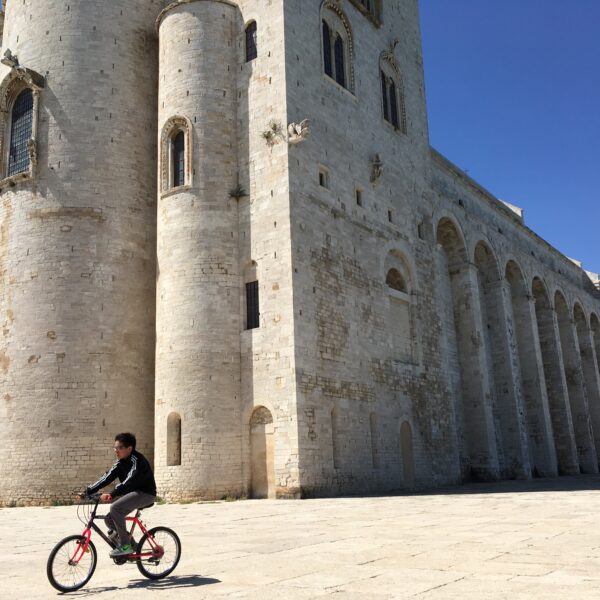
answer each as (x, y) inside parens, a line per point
(123, 550)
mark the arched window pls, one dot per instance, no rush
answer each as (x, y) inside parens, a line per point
(401, 310)
(21, 128)
(173, 440)
(338, 48)
(176, 154)
(178, 158)
(392, 90)
(327, 66)
(251, 43)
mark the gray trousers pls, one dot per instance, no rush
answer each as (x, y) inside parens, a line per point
(121, 507)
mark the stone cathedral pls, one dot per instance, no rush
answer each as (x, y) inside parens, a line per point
(223, 228)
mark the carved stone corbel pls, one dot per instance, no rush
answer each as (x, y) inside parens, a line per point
(298, 132)
(376, 168)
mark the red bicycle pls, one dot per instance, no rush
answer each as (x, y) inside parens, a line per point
(72, 561)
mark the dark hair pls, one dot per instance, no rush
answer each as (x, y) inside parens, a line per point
(127, 439)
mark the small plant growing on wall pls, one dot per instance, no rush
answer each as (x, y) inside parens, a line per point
(238, 192)
(273, 133)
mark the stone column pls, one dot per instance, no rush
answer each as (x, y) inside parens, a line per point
(588, 460)
(477, 395)
(508, 385)
(591, 379)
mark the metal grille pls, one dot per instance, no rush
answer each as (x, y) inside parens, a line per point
(251, 44)
(252, 305)
(179, 160)
(20, 133)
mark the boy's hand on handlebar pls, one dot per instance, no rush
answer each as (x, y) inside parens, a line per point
(106, 498)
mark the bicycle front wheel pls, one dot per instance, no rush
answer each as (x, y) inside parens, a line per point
(161, 555)
(69, 566)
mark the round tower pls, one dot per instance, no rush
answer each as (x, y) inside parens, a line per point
(77, 251)
(198, 421)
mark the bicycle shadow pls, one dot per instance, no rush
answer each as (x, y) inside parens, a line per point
(168, 583)
(172, 582)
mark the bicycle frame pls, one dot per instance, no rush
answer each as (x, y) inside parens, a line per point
(156, 552)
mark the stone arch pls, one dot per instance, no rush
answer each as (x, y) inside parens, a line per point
(339, 25)
(464, 354)
(542, 453)
(589, 365)
(506, 398)
(407, 453)
(173, 440)
(556, 385)
(402, 307)
(262, 444)
(586, 452)
(175, 125)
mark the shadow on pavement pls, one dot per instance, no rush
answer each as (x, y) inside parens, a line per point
(547, 484)
(173, 582)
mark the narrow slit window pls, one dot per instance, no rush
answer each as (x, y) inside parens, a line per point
(179, 159)
(20, 133)
(327, 66)
(252, 309)
(251, 42)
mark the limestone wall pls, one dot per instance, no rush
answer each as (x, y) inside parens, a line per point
(475, 368)
(77, 249)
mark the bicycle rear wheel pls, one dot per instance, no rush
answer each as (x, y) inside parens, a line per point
(159, 564)
(69, 567)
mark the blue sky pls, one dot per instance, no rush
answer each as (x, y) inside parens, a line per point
(513, 93)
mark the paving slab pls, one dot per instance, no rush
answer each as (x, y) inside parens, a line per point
(517, 540)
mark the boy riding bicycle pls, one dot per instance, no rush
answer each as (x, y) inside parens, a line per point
(136, 489)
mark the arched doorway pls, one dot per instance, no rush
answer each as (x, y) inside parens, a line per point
(262, 446)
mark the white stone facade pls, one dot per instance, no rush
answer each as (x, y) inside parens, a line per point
(190, 159)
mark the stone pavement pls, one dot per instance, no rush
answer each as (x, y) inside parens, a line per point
(517, 540)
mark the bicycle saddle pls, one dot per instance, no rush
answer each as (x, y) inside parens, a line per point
(144, 507)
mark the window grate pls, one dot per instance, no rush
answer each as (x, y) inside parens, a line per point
(252, 312)
(20, 133)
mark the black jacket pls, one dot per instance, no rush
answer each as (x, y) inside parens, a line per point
(134, 473)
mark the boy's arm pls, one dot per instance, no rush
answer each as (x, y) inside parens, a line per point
(107, 478)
